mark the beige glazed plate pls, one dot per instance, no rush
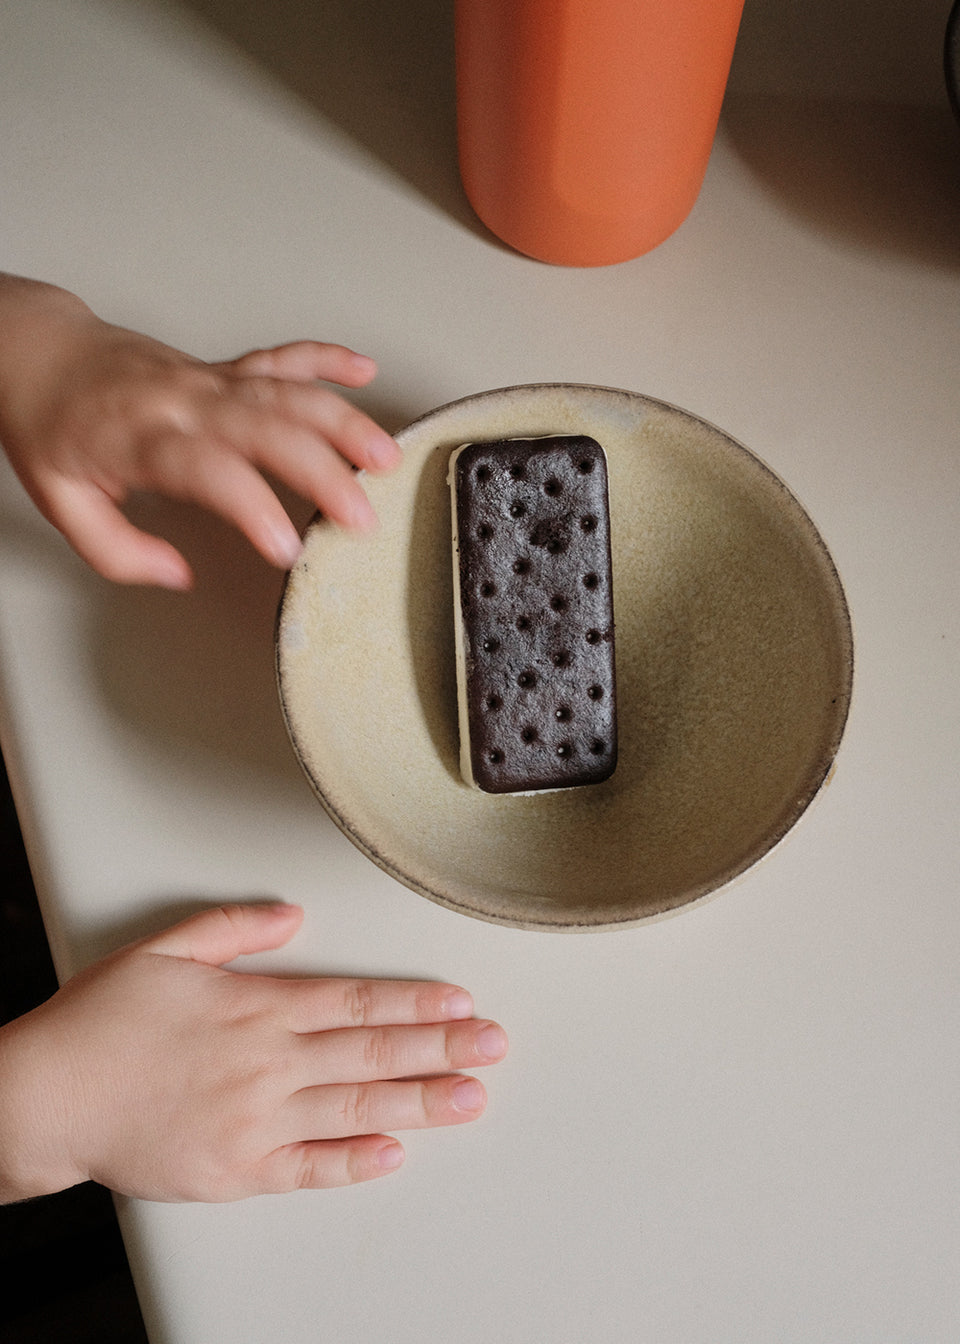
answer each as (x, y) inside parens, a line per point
(734, 666)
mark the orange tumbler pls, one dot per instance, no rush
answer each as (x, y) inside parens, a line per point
(585, 126)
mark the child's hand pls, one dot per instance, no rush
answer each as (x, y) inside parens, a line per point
(90, 413)
(163, 1076)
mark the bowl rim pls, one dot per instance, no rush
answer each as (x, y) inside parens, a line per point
(816, 780)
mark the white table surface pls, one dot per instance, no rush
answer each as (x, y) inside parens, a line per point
(741, 1124)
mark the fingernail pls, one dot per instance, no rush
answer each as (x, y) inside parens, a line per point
(175, 582)
(173, 572)
(492, 1042)
(285, 545)
(362, 515)
(469, 1095)
(390, 1156)
(459, 1005)
(383, 452)
(363, 362)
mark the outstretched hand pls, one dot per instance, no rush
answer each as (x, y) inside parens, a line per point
(91, 413)
(162, 1075)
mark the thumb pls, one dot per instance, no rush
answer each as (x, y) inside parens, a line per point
(217, 936)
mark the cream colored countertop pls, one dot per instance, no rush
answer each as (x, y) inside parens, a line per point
(740, 1124)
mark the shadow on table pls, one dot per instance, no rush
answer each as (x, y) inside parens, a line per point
(189, 673)
(879, 175)
(874, 175)
(842, 114)
(196, 671)
(382, 70)
(189, 677)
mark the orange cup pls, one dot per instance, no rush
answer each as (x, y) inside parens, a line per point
(585, 126)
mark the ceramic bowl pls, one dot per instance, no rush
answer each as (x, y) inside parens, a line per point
(734, 662)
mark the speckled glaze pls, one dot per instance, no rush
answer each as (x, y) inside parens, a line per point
(734, 673)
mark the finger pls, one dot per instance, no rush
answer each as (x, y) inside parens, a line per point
(330, 1003)
(368, 1054)
(327, 415)
(109, 543)
(305, 361)
(212, 476)
(304, 461)
(324, 1164)
(341, 1112)
(218, 935)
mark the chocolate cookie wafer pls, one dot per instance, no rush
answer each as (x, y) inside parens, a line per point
(533, 614)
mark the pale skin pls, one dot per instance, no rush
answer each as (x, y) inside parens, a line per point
(160, 1071)
(91, 413)
(162, 1075)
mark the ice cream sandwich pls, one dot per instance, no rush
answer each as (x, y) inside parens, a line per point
(533, 603)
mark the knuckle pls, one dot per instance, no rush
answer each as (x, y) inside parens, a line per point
(359, 1002)
(260, 362)
(356, 1109)
(426, 1102)
(453, 1046)
(176, 402)
(162, 456)
(331, 414)
(326, 402)
(324, 1166)
(359, 1164)
(228, 914)
(311, 1171)
(377, 1055)
(261, 391)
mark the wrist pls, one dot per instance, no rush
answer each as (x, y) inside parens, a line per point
(34, 1123)
(22, 296)
(40, 323)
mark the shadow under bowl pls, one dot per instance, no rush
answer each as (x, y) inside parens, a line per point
(734, 659)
